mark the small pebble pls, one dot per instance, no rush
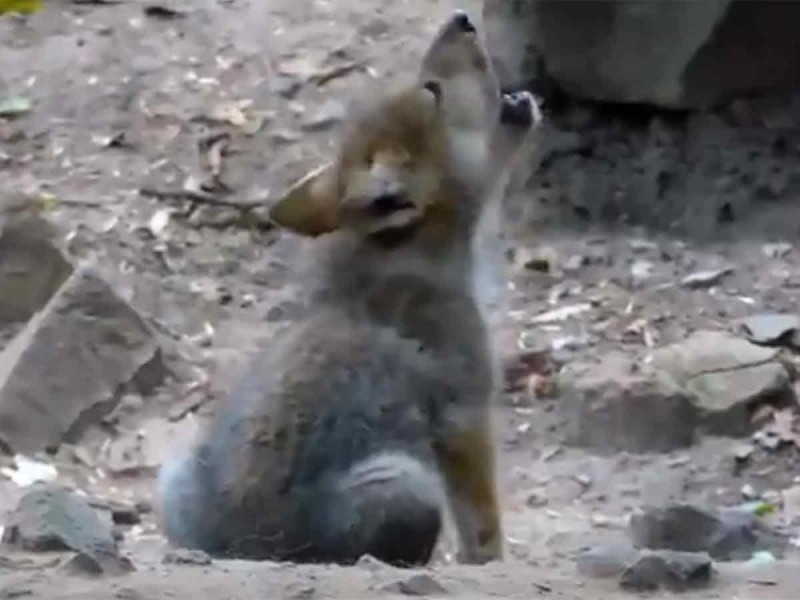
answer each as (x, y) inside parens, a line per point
(183, 556)
(416, 585)
(536, 499)
(749, 492)
(743, 453)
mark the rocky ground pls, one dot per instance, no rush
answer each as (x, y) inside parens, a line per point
(152, 135)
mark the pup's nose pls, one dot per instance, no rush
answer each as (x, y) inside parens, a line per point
(462, 20)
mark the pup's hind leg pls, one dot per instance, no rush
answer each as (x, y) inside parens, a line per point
(388, 506)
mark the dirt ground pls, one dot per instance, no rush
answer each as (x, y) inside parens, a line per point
(155, 136)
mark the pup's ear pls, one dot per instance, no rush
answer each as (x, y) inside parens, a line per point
(310, 206)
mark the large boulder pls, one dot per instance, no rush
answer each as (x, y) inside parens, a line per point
(671, 54)
(66, 367)
(712, 381)
(69, 343)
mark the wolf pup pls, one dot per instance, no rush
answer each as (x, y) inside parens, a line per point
(364, 421)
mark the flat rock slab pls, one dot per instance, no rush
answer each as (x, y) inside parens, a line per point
(50, 518)
(725, 376)
(68, 363)
(611, 409)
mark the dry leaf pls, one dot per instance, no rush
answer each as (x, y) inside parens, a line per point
(229, 112)
(782, 426)
(159, 222)
(301, 67)
(20, 6)
(14, 106)
(337, 72)
(560, 314)
(212, 149)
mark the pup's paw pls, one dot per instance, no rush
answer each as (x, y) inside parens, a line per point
(521, 109)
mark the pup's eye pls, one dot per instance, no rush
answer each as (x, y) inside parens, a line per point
(435, 88)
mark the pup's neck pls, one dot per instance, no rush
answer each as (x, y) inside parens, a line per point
(351, 273)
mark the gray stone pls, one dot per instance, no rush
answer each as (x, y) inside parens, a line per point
(641, 271)
(773, 329)
(84, 563)
(32, 267)
(791, 505)
(725, 376)
(761, 560)
(370, 563)
(121, 512)
(184, 556)
(420, 584)
(65, 368)
(675, 571)
(606, 560)
(50, 517)
(13, 590)
(300, 591)
(776, 250)
(727, 534)
(677, 55)
(609, 409)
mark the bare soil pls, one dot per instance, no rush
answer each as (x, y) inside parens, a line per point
(231, 100)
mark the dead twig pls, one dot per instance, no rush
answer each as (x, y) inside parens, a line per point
(199, 198)
(98, 2)
(163, 12)
(196, 394)
(336, 72)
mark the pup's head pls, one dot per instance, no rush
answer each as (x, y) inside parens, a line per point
(458, 61)
(485, 128)
(415, 153)
(389, 172)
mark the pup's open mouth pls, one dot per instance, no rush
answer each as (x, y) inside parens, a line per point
(388, 204)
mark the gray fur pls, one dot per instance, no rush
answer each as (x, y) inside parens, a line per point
(327, 449)
(364, 469)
